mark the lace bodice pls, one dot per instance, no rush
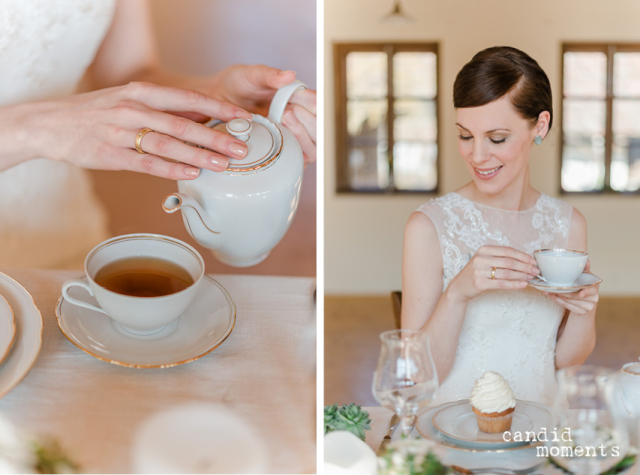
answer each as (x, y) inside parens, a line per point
(50, 216)
(511, 332)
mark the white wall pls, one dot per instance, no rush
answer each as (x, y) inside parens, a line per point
(363, 234)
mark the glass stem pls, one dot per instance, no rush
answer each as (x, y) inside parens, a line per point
(407, 421)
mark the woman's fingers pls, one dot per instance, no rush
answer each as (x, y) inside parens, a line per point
(508, 274)
(166, 146)
(580, 307)
(508, 252)
(185, 130)
(305, 98)
(507, 263)
(173, 99)
(154, 165)
(306, 118)
(290, 120)
(260, 76)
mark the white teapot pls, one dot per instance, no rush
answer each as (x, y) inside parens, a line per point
(243, 212)
(628, 380)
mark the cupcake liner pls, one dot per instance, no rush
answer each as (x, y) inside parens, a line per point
(495, 422)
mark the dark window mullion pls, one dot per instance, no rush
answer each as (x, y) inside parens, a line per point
(390, 115)
(608, 134)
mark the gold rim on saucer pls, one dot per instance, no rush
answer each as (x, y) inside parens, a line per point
(546, 286)
(167, 365)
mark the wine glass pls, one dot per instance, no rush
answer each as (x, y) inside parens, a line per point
(591, 432)
(405, 379)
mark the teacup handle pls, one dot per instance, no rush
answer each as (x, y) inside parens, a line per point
(75, 301)
(280, 100)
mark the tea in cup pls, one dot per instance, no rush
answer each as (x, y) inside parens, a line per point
(561, 267)
(141, 281)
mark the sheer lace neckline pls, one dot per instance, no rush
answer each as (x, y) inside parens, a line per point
(475, 203)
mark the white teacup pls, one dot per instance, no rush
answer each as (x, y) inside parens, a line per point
(561, 267)
(139, 315)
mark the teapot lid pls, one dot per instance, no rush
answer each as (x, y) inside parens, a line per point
(263, 138)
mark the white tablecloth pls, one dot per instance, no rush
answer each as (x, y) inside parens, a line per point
(263, 372)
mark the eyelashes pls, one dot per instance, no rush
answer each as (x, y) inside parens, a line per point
(495, 142)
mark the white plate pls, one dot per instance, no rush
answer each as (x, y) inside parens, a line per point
(457, 424)
(205, 324)
(198, 438)
(523, 457)
(28, 337)
(7, 328)
(585, 280)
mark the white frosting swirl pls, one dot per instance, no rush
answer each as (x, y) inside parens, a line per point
(492, 393)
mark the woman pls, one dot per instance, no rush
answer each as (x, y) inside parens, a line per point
(468, 255)
(50, 216)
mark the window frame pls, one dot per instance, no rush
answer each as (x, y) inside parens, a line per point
(609, 49)
(340, 52)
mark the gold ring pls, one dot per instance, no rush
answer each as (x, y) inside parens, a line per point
(141, 134)
(493, 273)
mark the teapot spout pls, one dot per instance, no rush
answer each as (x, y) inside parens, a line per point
(200, 224)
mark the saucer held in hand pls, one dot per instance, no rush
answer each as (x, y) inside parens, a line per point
(585, 280)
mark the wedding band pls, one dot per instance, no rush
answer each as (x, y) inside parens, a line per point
(141, 134)
(493, 273)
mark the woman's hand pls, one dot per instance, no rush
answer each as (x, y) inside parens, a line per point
(491, 268)
(98, 130)
(253, 87)
(581, 302)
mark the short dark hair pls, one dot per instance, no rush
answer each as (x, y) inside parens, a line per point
(501, 70)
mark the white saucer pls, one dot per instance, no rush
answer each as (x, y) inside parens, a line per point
(205, 324)
(457, 423)
(585, 280)
(7, 328)
(28, 334)
(523, 457)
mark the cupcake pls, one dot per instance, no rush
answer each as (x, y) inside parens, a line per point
(493, 403)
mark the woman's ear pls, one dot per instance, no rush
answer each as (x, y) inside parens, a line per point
(542, 125)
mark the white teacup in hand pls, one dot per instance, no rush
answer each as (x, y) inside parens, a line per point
(560, 267)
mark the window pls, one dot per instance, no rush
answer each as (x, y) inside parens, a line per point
(386, 117)
(601, 118)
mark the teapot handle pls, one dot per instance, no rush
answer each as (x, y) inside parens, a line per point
(280, 100)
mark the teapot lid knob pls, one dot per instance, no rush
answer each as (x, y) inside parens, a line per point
(239, 128)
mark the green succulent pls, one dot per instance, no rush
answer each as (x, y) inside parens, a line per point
(350, 418)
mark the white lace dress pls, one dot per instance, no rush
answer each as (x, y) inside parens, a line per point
(512, 332)
(49, 216)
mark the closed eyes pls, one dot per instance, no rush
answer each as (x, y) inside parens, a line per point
(495, 142)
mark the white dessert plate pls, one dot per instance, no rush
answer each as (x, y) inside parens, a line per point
(28, 334)
(7, 328)
(198, 438)
(205, 324)
(457, 423)
(585, 280)
(523, 458)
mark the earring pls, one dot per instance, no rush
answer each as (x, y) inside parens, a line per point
(538, 140)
